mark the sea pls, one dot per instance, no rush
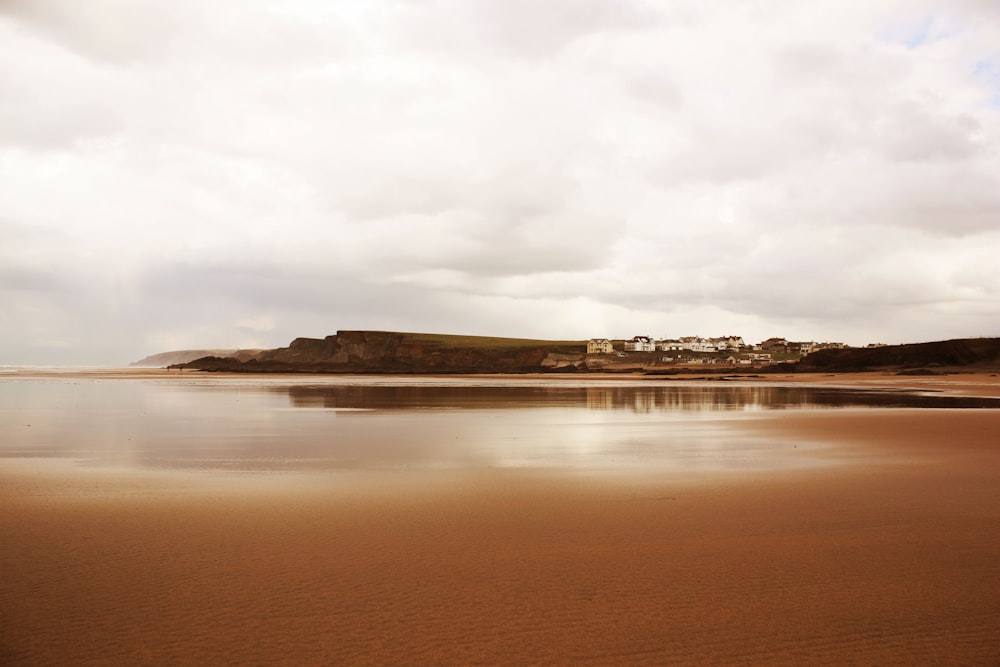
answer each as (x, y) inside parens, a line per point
(274, 424)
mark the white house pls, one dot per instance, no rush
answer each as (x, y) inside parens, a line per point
(640, 344)
(669, 345)
(734, 343)
(698, 344)
(599, 346)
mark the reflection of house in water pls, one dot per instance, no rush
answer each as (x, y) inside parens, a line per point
(644, 400)
(666, 399)
(633, 399)
(651, 398)
(600, 398)
(690, 398)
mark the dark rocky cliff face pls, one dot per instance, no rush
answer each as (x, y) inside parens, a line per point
(966, 352)
(391, 352)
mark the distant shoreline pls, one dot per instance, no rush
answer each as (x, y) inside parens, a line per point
(969, 382)
(886, 556)
(387, 352)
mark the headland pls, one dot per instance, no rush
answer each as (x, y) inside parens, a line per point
(386, 352)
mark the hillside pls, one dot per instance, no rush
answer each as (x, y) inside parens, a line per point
(175, 357)
(377, 352)
(983, 353)
(395, 352)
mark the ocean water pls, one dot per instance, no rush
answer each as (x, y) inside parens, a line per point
(248, 425)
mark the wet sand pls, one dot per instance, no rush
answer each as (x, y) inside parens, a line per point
(890, 556)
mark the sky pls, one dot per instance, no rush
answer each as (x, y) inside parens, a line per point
(180, 174)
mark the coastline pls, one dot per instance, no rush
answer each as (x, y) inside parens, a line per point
(888, 557)
(985, 383)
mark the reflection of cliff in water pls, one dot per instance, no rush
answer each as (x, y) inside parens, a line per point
(635, 399)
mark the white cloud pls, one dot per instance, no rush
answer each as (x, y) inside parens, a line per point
(211, 173)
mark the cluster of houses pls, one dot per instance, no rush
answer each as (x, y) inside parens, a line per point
(689, 347)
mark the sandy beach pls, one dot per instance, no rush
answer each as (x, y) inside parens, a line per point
(891, 555)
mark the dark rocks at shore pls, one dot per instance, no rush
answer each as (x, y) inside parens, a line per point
(911, 358)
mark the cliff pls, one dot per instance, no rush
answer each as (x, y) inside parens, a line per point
(963, 353)
(377, 352)
(175, 357)
(394, 352)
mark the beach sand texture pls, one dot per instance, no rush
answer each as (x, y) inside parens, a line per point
(891, 556)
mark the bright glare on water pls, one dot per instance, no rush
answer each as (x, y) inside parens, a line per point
(374, 423)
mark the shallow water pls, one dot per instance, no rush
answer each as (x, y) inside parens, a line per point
(372, 423)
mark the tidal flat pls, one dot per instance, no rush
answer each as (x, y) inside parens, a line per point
(151, 517)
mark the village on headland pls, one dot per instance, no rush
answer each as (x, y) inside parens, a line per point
(698, 351)
(382, 352)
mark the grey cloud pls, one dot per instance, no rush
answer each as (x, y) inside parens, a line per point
(265, 285)
(17, 234)
(658, 88)
(276, 39)
(112, 30)
(827, 276)
(976, 10)
(911, 134)
(814, 104)
(484, 246)
(525, 208)
(809, 64)
(979, 275)
(28, 262)
(14, 278)
(305, 303)
(541, 29)
(721, 155)
(374, 197)
(947, 200)
(48, 127)
(522, 220)
(526, 248)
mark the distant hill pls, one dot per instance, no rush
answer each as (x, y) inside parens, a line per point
(164, 359)
(374, 352)
(961, 353)
(396, 352)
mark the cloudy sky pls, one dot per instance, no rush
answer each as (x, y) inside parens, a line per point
(190, 173)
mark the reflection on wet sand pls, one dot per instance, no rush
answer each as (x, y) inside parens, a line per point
(643, 399)
(248, 425)
(887, 558)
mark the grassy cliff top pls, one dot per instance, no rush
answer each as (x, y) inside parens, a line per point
(492, 342)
